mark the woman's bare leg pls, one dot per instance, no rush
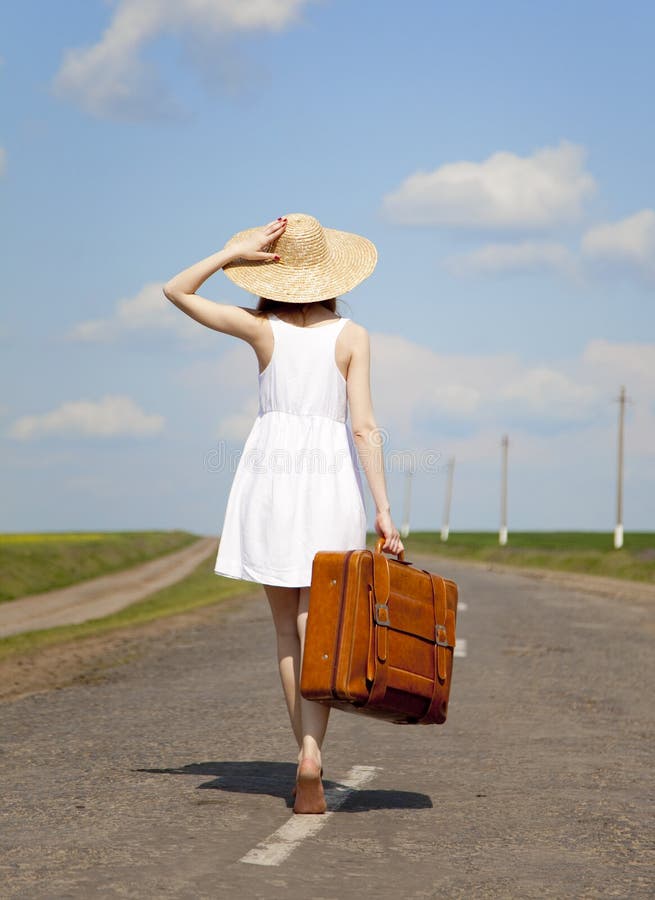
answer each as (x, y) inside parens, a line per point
(309, 719)
(284, 608)
(314, 716)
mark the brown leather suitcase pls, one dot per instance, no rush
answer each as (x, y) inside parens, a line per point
(380, 636)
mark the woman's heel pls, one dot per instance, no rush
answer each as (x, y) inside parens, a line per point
(294, 789)
(309, 789)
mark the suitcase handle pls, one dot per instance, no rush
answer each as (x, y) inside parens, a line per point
(399, 556)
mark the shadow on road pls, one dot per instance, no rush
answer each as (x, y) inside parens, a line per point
(277, 779)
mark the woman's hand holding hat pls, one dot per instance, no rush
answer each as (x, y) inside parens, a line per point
(253, 245)
(317, 263)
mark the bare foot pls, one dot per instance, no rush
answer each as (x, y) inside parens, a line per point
(309, 788)
(294, 789)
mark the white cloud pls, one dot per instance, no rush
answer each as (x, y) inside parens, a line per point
(410, 383)
(109, 78)
(549, 394)
(628, 243)
(562, 424)
(626, 246)
(453, 399)
(505, 191)
(233, 375)
(236, 426)
(233, 371)
(3, 161)
(147, 311)
(524, 256)
(415, 388)
(114, 415)
(625, 361)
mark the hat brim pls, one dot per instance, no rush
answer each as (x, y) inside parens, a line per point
(351, 258)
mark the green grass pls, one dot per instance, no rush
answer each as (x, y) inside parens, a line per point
(201, 588)
(32, 563)
(567, 551)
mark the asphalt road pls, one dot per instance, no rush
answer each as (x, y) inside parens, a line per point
(165, 778)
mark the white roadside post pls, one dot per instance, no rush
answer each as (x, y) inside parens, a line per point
(618, 529)
(502, 534)
(445, 528)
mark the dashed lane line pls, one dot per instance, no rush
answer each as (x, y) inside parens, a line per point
(460, 643)
(276, 848)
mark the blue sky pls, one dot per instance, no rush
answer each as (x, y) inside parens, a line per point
(501, 158)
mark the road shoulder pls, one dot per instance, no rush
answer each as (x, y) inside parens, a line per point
(620, 588)
(94, 658)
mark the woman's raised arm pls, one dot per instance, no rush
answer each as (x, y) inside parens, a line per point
(234, 320)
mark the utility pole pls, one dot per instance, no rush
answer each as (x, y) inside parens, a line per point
(502, 534)
(404, 528)
(618, 530)
(445, 528)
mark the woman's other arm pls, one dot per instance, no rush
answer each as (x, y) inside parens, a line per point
(367, 436)
(234, 320)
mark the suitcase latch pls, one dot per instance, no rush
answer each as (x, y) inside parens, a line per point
(381, 614)
(440, 630)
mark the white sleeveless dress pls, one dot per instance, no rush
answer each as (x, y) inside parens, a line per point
(297, 488)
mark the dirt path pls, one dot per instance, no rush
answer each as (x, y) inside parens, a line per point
(101, 596)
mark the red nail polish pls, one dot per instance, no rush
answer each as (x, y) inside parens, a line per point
(277, 258)
(279, 218)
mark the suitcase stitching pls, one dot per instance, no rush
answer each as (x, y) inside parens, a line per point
(339, 628)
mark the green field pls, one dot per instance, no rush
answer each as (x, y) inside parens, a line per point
(201, 588)
(567, 551)
(74, 556)
(31, 563)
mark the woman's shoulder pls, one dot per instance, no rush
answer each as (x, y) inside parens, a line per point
(355, 330)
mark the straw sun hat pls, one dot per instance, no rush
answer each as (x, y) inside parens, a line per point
(315, 263)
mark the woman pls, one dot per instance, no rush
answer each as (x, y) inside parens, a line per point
(312, 367)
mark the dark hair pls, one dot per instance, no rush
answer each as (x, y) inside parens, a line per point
(266, 305)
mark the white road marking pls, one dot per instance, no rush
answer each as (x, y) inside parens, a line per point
(460, 646)
(276, 848)
(462, 607)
